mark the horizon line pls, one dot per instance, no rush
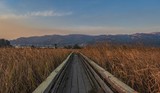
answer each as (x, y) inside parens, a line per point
(81, 34)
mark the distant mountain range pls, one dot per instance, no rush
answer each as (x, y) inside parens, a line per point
(150, 39)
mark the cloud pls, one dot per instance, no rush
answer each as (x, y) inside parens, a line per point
(48, 13)
(9, 13)
(12, 16)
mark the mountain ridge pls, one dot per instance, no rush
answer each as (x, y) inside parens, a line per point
(151, 39)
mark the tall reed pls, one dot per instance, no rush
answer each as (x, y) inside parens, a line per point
(137, 66)
(23, 69)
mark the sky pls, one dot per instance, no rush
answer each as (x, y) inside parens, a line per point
(24, 18)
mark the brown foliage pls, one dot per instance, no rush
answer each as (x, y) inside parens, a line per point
(137, 66)
(22, 70)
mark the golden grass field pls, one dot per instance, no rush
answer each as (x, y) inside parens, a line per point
(137, 66)
(22, 70)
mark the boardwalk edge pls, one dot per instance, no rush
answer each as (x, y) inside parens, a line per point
(43, 86)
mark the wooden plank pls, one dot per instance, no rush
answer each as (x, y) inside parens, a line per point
(113, 81)
(41, 88)
(55, 85)
(67, 89)
(81, 85)
(99, 80)
(93, 81)
(87, 83)
(74, 87)
(63, 81)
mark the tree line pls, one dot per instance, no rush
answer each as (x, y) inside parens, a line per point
(4, 43)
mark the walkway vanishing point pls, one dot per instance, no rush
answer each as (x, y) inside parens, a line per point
(79, 74)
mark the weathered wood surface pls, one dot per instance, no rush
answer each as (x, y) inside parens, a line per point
(41, 88)
(115, 83)
(76, 80)
(78, 74)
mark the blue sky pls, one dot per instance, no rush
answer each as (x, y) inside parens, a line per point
(42, 17)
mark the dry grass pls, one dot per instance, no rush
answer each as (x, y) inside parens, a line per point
(22, 70)
(139, 67)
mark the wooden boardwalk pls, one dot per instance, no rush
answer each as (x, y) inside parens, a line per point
(77, 80)
(76, 75)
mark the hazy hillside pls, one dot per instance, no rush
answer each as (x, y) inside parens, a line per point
(151, 39)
